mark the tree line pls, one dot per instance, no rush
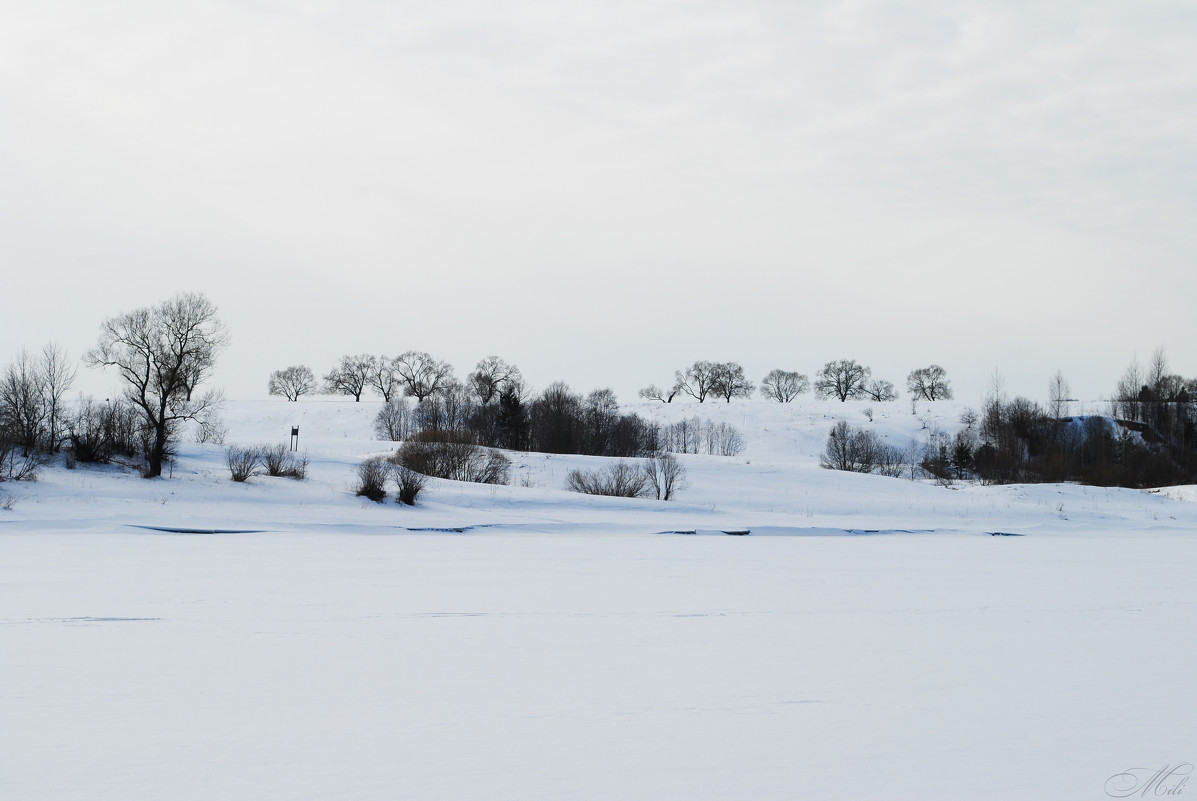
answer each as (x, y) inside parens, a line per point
(842, 379)
(1149, 439)
(163, 354)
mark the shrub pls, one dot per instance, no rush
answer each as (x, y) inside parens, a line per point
(372, 479)
(279, 461)
(621, 480)
(98, 432)
(411, 484)
(696, 435)
(210, 429)
(16, 464)
(665, 475)
(242, 462)
(453, 455)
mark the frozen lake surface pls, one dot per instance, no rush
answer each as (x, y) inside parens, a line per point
(440, 666)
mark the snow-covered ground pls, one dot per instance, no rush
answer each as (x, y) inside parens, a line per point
(562, 646)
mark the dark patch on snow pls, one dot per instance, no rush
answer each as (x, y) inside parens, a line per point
(107, 619)
(175, 530)
(1003, 534)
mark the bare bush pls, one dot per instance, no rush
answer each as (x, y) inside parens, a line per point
(411, 484)
(665, 475)
(99, 432)
(242, 461)
(16, 464)
(210, 429)
(454, 456)
(620, 480)
(372, 479)
(280, 461)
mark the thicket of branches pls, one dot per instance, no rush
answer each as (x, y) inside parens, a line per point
(1150, 439)
(557, 420)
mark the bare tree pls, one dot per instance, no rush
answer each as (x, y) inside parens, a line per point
(22, 409)
(1157, 371)
(422, 375)
(158, 351)
(1057, 393)
(57, 378)
(292, 382)
(730, 382)
(1126, 392)
(491, 375)
(784, 386)
(653, 392)
(697, 381)
(854, 449)
(665, 475)
(879, 390)
(842, 379)
(351, 376)
(384, 378)
(929, 383)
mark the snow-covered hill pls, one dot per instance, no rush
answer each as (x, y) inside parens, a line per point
(774, 486)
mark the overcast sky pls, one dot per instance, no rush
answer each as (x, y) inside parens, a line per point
(605, 192)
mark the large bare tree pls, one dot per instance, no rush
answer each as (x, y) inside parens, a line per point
(384, 378)
(842, 379)
(491, 375)
(351, 376)
(158, 352)
(697, 380)
(292, 382)
(422, 375)
(929, 383)
(730, 381)
(784, 385)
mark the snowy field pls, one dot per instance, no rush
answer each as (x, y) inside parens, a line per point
(562, 646)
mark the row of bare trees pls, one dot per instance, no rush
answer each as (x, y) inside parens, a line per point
(843, 380)
(160, 353)
(413, 374)
(33, 415)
